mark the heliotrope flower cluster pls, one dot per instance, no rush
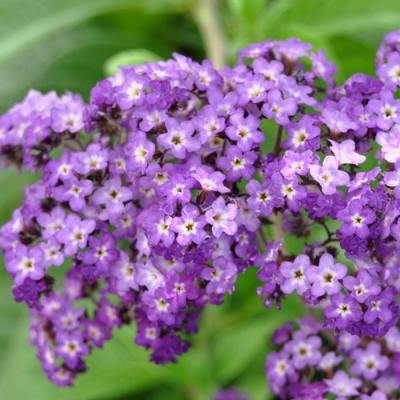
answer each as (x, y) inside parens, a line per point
(167, 182)
(311, 363)
(30, 130)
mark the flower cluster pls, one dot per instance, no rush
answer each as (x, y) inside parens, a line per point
(166, 188)
(311, 363)
(30, 130)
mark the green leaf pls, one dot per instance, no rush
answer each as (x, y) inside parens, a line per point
(247, 9)
(71, 55)
(342, 16)
(41, 19)
(45, 19)
(238, 347)
(129, 57)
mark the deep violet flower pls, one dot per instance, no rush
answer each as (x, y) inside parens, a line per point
(163, 189)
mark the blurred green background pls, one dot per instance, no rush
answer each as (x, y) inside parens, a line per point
(71, 44)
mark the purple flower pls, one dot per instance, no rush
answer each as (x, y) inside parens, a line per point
(322, 68)
(328, 175)
(347, 341)
(112, 196)
(386, 109)
(305, 391)
(52, 253)
(389, 142)
(342, 385)
(279, 108)
(282, 335)
(356, 218)
(96, 333)
(222, 216)
(108, 314)
(363, 177)
(158, 226)
(390, 71)
(392, 179)
(178, 139)
(368, 362)
(343, 310)
(75, 233)
(303, 134)
(139, 151)
(28, 263)
(149, 276)
(237, 164)
(62, 376)
(30, 291)
(93, 159)
(221, 276)
(189, 226)
(254, 89)
(124, 222)
(305, 350)
(294, 274)
(68, 114)
(336, 116)
(345, 152)
(68, 319)
(159, 306)
(208, 124)
(125, 274)
(70, 348)
(392, 339)
(295, 163)
(178, 189)
(52, 223)
(132, 90)
(329, 361)
(102, 251)
(244, 130)
(271, 70)
(151, 118)
(279, 369)
(379, 307)
(264, 197)
(362, 286)
(210, 181)
(58, 169)
(293, 193)
(324, 279)
(74, 191)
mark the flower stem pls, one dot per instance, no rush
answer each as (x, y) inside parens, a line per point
(205, 13)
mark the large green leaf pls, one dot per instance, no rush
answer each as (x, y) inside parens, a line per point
(37, 20)
(58, 44)
(332, 17)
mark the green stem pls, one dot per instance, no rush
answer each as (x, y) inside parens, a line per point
(205, 13)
